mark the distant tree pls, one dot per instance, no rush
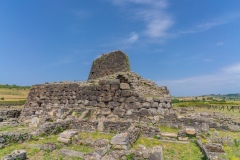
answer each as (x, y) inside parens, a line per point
(2, 98)
(209, 98)
(175, 100)
(203, 99)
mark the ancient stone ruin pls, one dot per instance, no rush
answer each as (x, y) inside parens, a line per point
(108, 95)
(113, 100)
(108, 64)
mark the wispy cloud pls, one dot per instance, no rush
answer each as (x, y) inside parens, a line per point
(133, 37)
(218, 21)
(226, 80)
(232, 69)
(157, 3)
(153, 14)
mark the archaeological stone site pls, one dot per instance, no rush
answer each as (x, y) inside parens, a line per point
(113, 101)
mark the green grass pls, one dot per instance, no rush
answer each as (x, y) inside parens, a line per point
(172, 151)
(18, 128)
(231, 151)
(34, 152)
(204, 103)
(95, 135)
(18, 102)
(168, 129)
(233, 114)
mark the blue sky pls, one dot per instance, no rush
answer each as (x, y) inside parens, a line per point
(190, 46)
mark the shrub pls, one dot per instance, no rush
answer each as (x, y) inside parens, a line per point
(236, 142)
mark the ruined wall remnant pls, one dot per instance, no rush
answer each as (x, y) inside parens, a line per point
(119, 97)
(129, 98)
(108, 64)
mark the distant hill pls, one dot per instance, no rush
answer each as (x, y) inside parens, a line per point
(231, 96)
(14, 86)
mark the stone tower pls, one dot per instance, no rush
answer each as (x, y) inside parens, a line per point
(108, 64)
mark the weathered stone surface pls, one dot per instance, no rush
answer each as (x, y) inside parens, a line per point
(190, 131)
(65, 137)
(122, 138)
(17, 154)
(68, 133)
(214, 147)
(92, 156)
(234, 128)
(108, 64)
(64, 140)
(166, 134)
(71, 153)
(48, 147)
(124, 86)
(182, 138)
(212, 151)
(156, 154)
(102, 150)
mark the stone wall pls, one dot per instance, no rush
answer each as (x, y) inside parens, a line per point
(13, 137)
(9, 114)
(115, 98)
(108, 64)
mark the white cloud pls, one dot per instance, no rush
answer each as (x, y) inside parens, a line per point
(209, 25)
(133, 37)
(157, 28)
(232, 69)
(224, 81)
(152, 13)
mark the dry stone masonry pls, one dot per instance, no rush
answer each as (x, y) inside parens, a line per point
(108, 64)
(108, 97)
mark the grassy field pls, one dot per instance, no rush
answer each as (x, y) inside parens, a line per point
(13, 95)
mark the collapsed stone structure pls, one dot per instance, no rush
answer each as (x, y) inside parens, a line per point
(121, 96)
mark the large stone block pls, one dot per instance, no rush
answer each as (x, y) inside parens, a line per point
(106, 87)
(124, 86)
(121, 141)
(114, 86)
(126, 93)
(156, 154)
(68, 133)
(17, 154)
(113, 104)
